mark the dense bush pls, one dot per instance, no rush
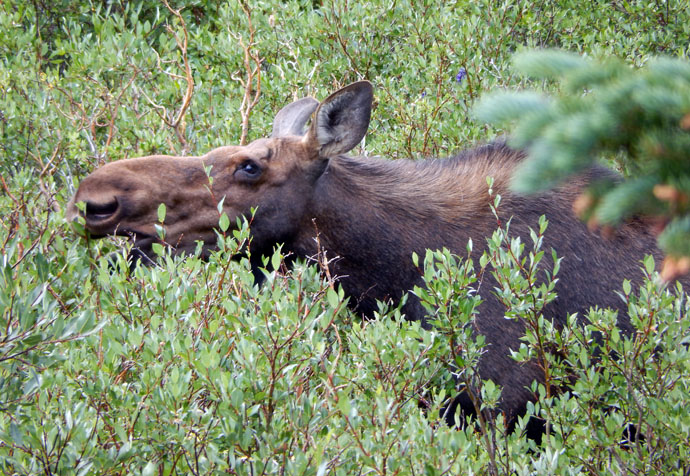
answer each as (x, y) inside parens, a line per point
(188, 367)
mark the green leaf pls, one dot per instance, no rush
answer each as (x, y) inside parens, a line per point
(219, 207)
(149, 469)
(627, 287)
(323, 467)
(333, 298)
(276, 259)
(16, 435)
(344, 404)
(160, 231)
(161, 213)
(32, 384)
(649, 264)
(224, 222)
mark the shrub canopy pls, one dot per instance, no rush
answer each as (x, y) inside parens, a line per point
(189, 367)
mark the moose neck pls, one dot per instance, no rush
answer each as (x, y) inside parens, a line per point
(372, 214)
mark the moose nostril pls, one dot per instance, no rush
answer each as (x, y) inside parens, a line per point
(101, 211)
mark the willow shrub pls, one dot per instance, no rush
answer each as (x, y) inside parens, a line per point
(190, 366)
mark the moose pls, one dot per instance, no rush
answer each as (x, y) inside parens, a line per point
(370, 213)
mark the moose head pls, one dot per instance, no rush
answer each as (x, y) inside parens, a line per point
(272, 175)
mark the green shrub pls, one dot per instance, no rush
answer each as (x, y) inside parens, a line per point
(190, 367)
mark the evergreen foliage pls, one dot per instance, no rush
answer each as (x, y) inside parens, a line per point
(637, 117)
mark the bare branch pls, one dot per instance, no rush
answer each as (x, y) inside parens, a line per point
(252, 69)
(178, 122)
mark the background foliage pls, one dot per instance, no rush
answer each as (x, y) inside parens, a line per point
(187, 367)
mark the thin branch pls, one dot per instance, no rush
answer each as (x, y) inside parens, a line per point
(252, 91)
(187, 100)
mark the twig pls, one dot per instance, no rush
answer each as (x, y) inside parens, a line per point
(113, 115)
(186, 101)
(252, 75)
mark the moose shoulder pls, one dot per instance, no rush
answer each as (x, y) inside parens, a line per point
(371, 214)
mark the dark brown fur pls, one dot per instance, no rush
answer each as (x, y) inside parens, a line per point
(444, 203)
(372, 214)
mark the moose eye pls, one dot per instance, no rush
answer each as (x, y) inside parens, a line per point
(248, 170)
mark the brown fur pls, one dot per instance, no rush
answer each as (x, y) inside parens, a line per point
(372, 214)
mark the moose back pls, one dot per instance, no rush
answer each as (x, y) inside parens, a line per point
(370, 213)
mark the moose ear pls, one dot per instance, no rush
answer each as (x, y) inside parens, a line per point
(290, 120)
(342, 120)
